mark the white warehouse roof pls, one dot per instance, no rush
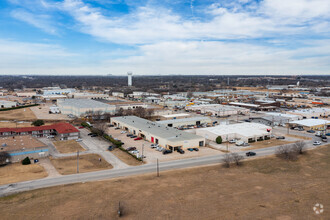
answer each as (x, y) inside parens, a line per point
(183, 120)
(311, 122)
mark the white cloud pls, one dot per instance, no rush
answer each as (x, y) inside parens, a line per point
(38, 20)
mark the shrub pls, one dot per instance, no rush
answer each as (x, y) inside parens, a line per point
(4, 157)
(84, 124)
(218, 140)
(38, 123)
(26, 161)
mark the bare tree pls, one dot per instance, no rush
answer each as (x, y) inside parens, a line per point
(299, 147)
(286, 152)
(101, 127)
(237, 158)
(227, 159)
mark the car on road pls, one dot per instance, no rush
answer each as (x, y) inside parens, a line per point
(94, 135)
(190, 149)
(131, 148)
(280, 137)
(79, 140)
(310, 131)
(196, 149)
(180, 151)
(317, 143)
(167, 151)
(250, 154)
(138, 138)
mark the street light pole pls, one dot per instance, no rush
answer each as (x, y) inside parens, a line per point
(142, 152)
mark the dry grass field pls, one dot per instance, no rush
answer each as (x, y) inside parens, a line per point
(266, 143)
(126, 158)
(70, 146)
(87, 163)
(18, 114)
(268, 188)
(299, 137)
(17, 172)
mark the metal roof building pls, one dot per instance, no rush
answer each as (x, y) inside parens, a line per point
(80, 107)
(244, 131)
(165, 136)
(186, 121)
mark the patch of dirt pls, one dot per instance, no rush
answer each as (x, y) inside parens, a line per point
(69, 146)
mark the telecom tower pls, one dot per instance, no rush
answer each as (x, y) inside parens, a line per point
(129, 75)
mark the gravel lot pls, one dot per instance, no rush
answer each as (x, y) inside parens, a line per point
(42, 112)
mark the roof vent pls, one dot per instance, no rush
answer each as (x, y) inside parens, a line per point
(4, 145)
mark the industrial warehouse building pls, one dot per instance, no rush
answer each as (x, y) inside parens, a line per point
(218, 110)
(311, 124)
(247, 132)
(82, 107)
(165, 136)
(7, 104)
(312, 113)
(275, 119)
(194, 121)
(20, 147)
(63, 131)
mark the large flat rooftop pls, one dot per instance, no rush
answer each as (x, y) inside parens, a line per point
(19, 142)
(156, 129)
(83, 103)
(182, 120)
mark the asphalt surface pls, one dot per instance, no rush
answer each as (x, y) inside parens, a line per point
(129, 171)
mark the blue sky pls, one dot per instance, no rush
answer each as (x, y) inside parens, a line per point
(164, 37)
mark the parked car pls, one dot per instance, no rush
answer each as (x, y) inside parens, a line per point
(79, 140)
(116, 128)
(138, 138)
(245, 144)
(133, 136)
(154, 145)
(323, 136)
(280, 137)
(180, 151)
(233, 141)
(50, 136)
(111, 126)
(196, 149)
(159, 148)
(327, 134)
(167, 151)
(301, 129)
(131, 148)
(94, 135)
(129, 135)
(190, 149)
(110, 148)
(317, 143)
(90, 133)
(250, 154)
(318, 134)
(324, 139)
(310, 131)
(81, 127)
(134, 151)
(123, 132)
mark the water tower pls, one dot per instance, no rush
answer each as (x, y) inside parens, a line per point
(129, 75)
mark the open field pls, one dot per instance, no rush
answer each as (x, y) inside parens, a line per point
(17, 172)
(69, 146)
(18, 114)
(18, 125)
(298, 136)
(266, 143)
(268, 188)
(126, 158)
(87, 163)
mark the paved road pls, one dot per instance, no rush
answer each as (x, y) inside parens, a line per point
(129, 171)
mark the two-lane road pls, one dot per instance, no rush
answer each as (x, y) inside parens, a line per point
(129, 171)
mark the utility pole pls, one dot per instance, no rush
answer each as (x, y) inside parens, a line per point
(288, 126)
(142, 152)
(157, 168)
(78, 161)
(227, 142)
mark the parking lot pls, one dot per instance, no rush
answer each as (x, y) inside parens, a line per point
(151, 155)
